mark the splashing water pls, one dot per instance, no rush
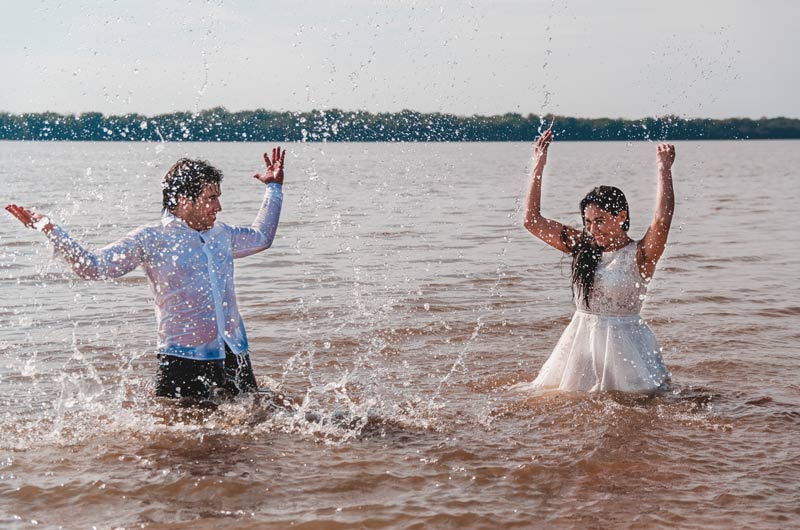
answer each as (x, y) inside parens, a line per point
(397, 307)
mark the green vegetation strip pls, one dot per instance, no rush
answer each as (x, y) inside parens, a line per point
(220, 125)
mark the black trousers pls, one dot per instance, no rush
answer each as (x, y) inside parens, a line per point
(178, 377)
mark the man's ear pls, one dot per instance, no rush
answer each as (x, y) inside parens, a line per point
(183, 203)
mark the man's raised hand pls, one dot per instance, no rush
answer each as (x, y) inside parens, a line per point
(274, 171)
(29, 218)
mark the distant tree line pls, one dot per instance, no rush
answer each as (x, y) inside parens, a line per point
(221, 125)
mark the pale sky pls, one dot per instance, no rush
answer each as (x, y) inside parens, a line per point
(583, 58)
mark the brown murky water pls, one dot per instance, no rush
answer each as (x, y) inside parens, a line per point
(400, 301)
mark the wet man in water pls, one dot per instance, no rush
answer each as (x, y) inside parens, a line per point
(188, 260)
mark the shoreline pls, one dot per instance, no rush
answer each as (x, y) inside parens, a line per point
(220, 125)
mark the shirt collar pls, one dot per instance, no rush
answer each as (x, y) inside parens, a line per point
(167, 219)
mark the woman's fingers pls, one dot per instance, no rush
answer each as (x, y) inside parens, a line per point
(545, 139)
(667, 149)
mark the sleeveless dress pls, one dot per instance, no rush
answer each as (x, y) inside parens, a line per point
(607, 345)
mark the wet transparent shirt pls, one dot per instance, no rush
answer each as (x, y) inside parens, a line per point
(190, 274)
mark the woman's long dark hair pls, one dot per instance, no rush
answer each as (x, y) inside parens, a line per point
(585, 252)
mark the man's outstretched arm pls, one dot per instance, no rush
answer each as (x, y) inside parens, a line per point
(261, 233)
(112, 261)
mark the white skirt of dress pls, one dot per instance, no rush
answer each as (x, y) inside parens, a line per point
(604, 353)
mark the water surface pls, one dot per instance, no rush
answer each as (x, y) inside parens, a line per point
(403, 291)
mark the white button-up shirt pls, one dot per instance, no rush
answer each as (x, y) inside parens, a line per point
(190, 274)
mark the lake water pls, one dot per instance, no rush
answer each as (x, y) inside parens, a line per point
(403, 292)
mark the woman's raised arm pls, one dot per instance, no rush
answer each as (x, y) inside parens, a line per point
(552, 232)
(655, 239)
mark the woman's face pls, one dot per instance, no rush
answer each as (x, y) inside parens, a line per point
(605, 227)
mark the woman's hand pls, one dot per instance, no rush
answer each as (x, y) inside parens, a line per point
(665, 154)
(540, 150)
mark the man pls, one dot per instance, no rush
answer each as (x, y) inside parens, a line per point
(188, 260)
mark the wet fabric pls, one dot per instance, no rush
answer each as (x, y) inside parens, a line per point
(607, 345)
(179, 377)
(190, 274)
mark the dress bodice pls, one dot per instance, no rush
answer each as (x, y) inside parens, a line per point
(607, 346)
(619, 288)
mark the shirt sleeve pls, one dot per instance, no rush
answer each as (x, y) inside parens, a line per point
(112, 261)
(259, 236)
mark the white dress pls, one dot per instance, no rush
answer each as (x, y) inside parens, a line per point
(607, 345)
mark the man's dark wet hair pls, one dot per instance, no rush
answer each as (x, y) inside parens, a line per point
(187, 178)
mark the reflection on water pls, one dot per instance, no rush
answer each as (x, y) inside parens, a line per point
(400, 303)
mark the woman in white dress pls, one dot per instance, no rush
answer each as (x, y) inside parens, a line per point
(607, 346)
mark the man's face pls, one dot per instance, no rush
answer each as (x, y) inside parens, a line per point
(201, 213)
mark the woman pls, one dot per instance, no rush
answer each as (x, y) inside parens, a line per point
(607, 345)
